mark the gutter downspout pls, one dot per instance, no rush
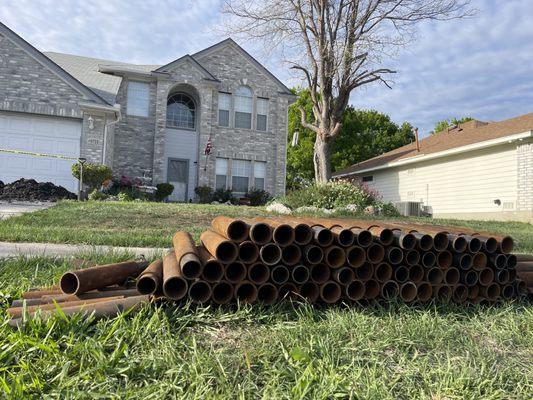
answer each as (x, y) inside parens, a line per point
(107, 124)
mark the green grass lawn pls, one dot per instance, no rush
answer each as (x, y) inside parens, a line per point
(153, 224)
(289, 351)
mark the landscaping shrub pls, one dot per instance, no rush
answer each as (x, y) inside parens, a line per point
(204, 194)
(163, 191)
(258, 197)
(97, 195)
(93, 174)
(224, 195)
(125, 196)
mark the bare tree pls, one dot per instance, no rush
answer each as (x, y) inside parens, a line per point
(336, 46)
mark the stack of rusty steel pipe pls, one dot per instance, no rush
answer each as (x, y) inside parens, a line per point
(265, 260)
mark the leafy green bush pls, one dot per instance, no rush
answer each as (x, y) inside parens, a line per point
(125, 196)
(387, 210)
(97, 195)
(204, 194)
(163, 191)
(258, 197)
(223, 195)
(93, 174)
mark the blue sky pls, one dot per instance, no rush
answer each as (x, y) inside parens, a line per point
(480, 67)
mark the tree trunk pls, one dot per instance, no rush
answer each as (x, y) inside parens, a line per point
(322, 159)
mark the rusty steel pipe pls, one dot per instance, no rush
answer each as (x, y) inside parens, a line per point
(383, 272)
(313, 254)
(320, 273)
(259, 232)
(270, 254)
(322, 236)
(486, 276)
(310, 291)
(291, 254)
(416, 273)
(248, 252)
(502, 276)
(507, 291)
(303, 234)
(84, 296)
(17, 312)
(283, 232)
(175, 286)
(479, 261)
(524, 266)
(406, 241)
(267, 294)
(443, 293)
(222, 249)
(444, 259)
(424, 241)
(512, 275)
(512, 261)
(258, 273)
(521, 287)
(490, 292)
(375, 253)
(212, 269)
(187, 255)
(372, 289)
(84, 280)
(394, 255)
(428, 259)
(355, 290)
(230, 228)
(199, 291)
(469, 278)
(457, 243)
(408, 291)
(36, 294)
(526, 276)
(384, 235)
(235, 272)
(364, 272)
(343, 236)
(330, 292)
(434, 276)
(280, 274)
(246, 292)
(424, 291)
(462, 260)
(498, 260)
(355, 256)
(451, 276)
(343, 275)
(473, 292)
(401, 274)
(222, 292)
(389, 290)
(460, 293)
(334, 256)
(300, 274)
(289, 291)
(474, 244)
(412, 257)
(151, 279)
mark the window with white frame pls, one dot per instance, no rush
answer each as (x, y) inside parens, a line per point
(240, 175)
(181, 111)
(243, 107)
(138, 99)
(262, 112)
(221, 172)
(259, 174)
(224, 103)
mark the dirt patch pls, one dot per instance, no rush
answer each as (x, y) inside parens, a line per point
(31, 190)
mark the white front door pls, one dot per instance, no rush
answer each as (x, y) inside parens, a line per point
(178, 175)
(48, 135)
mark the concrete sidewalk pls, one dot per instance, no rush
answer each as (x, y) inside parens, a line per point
(13, 209)
(8, 249)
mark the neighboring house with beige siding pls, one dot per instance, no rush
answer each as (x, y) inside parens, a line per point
(476, 170)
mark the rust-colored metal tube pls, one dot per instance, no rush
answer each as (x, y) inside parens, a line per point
(230, 228)
(457, 243)
(526, 276)
(428, 259)
(486, 276)
(412, 257)
(174, 284)
(330, 292)
(394, 255)
(310, 291)
(460, 293)
(320, 273)
(401, 273)
(364, 272)
(16, 312)
(270, 254)
(372, 289)
(423, 240)
(289, 291)
(221, 248)
(474, 244)
(199, 291)
(502, 276)
(452, 276)
(212, 269)
(260, 232)
(84, 280)
(383, 272)
(524, 266)
(355, 290)
(322, 236)
(36, 294)
(424, 291)
(416, 273)
(473, 292)
(444, 259)
(343, 275)
(248, 252)
(408, 291)
(479, 261)
(151, 279)
(300, 274)
(512, 275)
(283, 232)
(490, 292)
(512, 261)
(389, 290)
(222, 292)
(406, 241)
(235, 272)
(84, 296)
(521, 287)
(267, 294)
(343, 236)
(375, 253)
(291, 254)
(355, 256)
(245, 292)
(443, 293)
(462, 260)
(334, 256)
(524, 257)
(280, 274)
(384, 235)
(186, 254)
(434, 276)
(363, 237)
(313, 254)
(303, 234)
(258, 273)
(469, 278)
(498, 260)
(507, 291)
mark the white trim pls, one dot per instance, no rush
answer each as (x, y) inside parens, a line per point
(444, 153)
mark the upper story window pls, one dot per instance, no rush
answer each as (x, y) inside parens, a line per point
(181, 111)
(262, 113)
(138, 102)
(243, 107)
(259, 174)
(224, 103)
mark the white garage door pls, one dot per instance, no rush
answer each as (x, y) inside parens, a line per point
(41, 135)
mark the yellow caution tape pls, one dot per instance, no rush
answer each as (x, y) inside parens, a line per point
(30, 153)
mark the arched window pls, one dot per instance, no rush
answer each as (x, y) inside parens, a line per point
(181, 111)
(243, 107)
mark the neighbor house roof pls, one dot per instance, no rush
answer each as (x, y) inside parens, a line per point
(465, 135)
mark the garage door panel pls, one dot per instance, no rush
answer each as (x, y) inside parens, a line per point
(64, 167)
(17, 163)
(20, 125)
(19, 143)
(45, 145)
(44, 165)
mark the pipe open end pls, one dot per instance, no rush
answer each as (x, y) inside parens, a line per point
(345, 276)
(345, 238)
(465, 261)
(490, 245)
(313, 254)
(486, 276)
(502, 276)
(474, 245)
(371, 289)
(320, 273)
(394, 255)
(238, 230)
(375, 253)
(508, 292)
(435, 276)
(310, 291)
(235, 272)
(471, 278)
(302, 234)
(288, 291)
(261, 233)
(401, 274)
(512, 261)
(291, 254)
(283, 235)
(146, 285)
(226, 252)
(452, 276)
(364, 238)
(355, 256)
(416, 273)
(175, 288)
(424, 292)
(386, 236)
(460, 293)
(407, 241)
(364, 272)
(222, 293)
(499, 261)
(408, 292)
(270, 254)
(200, 292)
(507, 244)
(389, 290)
(355, 290)
(444, 259)
(267, 294)
(323, 236)
(473, 292)
(335, 256)
(429, 259)
(191, 268)
(280, 274)
(258, 273)
(330, 292)
(246, 292)
(444, 293)
(479, 261)
(440, 241)
(248, 252)
(300, 274)
(69, 283)
(412, 257)
(425, 242)
(213, 271)
(459, 244)
(383, 272)
(492, 291)
(521, 287)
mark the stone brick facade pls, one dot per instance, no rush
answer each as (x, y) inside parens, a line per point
(524, 200)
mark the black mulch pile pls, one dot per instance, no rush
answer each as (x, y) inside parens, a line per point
(31, 190)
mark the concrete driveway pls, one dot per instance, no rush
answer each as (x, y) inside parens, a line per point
(18, 208)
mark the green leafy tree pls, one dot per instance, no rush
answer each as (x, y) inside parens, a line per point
(448, 123)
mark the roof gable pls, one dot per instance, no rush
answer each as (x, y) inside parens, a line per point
(173, 64)
(50, 65)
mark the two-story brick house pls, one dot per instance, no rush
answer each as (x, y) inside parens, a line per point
(147, 121)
